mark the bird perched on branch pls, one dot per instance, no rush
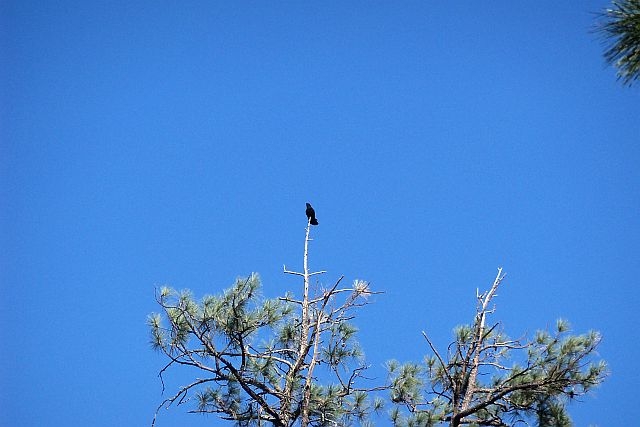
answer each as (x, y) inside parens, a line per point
(311, 214)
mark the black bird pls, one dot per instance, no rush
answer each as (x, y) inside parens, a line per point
(311, 214)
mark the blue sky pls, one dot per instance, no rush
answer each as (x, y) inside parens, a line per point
(152, 143)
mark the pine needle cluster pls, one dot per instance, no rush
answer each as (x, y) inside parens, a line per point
(621, 30)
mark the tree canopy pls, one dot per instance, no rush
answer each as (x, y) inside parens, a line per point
(293, 361)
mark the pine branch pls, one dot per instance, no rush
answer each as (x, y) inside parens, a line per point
(556, 367)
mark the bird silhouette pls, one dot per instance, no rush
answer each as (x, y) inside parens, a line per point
(311, 214)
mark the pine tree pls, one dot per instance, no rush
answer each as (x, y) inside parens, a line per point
(278, 362)
(474, 384)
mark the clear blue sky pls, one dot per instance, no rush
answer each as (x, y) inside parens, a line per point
(145, 143)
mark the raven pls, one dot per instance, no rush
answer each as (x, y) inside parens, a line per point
(311, 214)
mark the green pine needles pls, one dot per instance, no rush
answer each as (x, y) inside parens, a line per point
(295, 361)
(488, 379)
(621, 29)
(277, 362)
